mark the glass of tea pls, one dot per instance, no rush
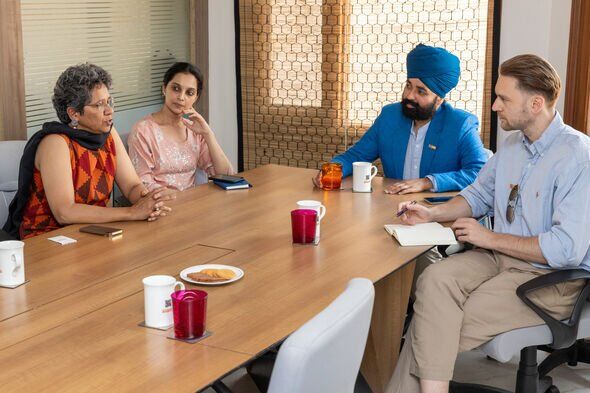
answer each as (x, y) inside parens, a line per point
(331, 177)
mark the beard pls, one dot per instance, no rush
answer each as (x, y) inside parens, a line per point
(416, 112)
(520, 122)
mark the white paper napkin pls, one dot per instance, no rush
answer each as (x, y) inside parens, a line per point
(63, 240)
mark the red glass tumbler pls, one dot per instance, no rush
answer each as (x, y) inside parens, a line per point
(190, 309)
(303, 225)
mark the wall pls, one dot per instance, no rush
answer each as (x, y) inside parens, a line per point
(540, 27)
(223, 112)
(123, 120)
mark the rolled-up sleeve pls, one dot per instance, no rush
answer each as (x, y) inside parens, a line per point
(480, 194)
(568, 240)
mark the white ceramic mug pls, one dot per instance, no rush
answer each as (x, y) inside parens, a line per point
(157, 300)
(319, 208)
(362, 174)
(12, 263)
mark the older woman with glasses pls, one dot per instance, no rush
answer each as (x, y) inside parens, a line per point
(69, 167)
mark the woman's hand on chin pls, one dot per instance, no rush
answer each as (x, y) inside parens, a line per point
(196, 123)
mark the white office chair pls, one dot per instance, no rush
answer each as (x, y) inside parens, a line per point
(325, 354)
(10, 155)
(564, 340)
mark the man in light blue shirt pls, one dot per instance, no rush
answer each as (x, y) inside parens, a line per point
(537, 188)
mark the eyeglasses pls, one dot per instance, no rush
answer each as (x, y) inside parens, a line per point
(512, 200)
(103, 105)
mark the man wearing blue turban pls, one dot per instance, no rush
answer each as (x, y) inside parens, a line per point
(423, 140)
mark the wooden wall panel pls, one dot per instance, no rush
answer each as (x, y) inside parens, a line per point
(12, 84)
(199, 47)
(577, 99)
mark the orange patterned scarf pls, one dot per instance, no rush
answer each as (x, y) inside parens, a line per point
(93, 175)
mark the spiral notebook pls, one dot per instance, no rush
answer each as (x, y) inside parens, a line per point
(428, 234)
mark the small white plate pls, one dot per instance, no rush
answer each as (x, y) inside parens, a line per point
(194, 269)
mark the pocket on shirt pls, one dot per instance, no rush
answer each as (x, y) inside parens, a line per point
(538, 213)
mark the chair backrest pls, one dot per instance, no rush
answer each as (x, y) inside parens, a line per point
(325, 354)
(10, 155)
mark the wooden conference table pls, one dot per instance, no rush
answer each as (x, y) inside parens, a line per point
(74, 326)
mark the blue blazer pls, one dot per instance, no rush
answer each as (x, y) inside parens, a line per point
(453, 153)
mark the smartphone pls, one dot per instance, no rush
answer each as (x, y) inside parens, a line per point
(226, 178)
(438, 200)
(102, 231)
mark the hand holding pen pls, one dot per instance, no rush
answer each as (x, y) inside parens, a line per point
(413, 213)
(405, 209)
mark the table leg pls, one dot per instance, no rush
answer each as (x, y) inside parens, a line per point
(389, 312)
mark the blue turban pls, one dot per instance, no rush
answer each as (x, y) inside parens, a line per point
(437, 68)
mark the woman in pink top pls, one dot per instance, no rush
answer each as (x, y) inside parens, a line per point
(166, 148)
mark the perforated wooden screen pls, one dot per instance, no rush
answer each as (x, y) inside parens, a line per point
(316, 73)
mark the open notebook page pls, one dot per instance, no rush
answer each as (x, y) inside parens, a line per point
(427, 234)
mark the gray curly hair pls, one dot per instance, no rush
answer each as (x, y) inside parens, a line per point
(74, 88)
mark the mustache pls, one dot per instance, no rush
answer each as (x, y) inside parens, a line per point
(415, 111)
(412, 103)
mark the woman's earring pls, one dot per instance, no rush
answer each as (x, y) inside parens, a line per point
(74, 123)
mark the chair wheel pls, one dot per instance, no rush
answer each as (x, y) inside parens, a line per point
(552, 389)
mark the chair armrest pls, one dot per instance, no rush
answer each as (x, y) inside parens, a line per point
(220, 387)
(564, 332)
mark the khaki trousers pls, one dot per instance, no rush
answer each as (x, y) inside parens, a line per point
(465, 301)
(422, 262)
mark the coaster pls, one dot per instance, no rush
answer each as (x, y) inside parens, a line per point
(190, 340)
(164, 328)
(14, 286)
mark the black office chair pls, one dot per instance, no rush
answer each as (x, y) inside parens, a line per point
(564, 340)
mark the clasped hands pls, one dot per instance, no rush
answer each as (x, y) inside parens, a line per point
(151, 205)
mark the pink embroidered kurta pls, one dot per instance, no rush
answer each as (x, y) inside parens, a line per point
(160, 161)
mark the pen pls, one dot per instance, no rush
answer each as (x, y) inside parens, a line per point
(405, 209)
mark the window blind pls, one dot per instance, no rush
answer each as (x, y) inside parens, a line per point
(134, 40)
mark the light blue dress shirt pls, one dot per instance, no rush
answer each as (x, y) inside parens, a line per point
(414, 155)
(553, 176)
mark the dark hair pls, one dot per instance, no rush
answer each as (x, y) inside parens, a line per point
(74, 88)
(185, 68)
(534, 75)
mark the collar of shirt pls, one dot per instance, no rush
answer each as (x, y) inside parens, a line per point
(547, 137)
(421, 131)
